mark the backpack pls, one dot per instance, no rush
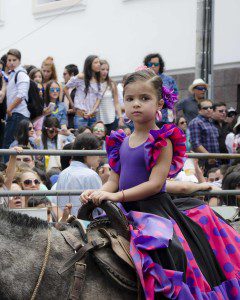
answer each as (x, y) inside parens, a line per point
(35, 103)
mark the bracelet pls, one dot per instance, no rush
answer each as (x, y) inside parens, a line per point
(123, 199)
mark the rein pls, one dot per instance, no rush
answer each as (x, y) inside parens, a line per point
(44, 265)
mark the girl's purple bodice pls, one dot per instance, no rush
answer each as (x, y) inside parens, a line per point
(133, 166)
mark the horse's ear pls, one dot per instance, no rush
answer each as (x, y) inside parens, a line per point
(118, 220)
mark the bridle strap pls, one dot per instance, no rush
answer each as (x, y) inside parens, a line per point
(43, 269)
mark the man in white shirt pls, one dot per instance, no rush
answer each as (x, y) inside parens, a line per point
(17, 96)
(80, 174)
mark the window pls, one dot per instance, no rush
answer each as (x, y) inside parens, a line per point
(46, 8)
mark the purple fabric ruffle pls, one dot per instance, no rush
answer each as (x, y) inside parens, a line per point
(157, 140)
(113, 144)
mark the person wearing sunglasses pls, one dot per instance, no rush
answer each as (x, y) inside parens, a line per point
(100, 131)
(203, 134)
(182, 124)
(28, 180)
(25, 136)
(219, 120)
(55, 108)
(188, 108)
(155, 62)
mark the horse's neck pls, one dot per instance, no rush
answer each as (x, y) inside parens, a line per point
(22, 257)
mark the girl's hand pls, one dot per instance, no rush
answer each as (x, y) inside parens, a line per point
(85, 196)
(98, 196)
(18, 149)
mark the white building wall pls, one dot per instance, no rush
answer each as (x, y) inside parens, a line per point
(122, 31)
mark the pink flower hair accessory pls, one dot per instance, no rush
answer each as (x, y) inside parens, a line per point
(169, 97)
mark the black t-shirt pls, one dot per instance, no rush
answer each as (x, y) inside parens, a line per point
(223, 132)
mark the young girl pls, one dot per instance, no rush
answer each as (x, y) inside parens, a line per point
(174, 256)
(48, 70)
(109, 104)
(55, 108)
(88, 92)
(36, 75)
(52, 139)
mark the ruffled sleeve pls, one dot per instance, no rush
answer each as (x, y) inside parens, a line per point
(113, 144)
(157, 140)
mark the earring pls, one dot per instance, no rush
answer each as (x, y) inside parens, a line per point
(158, 116)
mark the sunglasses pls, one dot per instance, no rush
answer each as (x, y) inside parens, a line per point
(52, 130)
(24, 159)
(207, 107)
(222, 111)
(200, 88)
(30, 128)
(150, 64)
(183, 122)
(98, 129)
(31, 182)
(52, 90)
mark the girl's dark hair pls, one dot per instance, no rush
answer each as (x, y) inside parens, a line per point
(47, 91)
(231, 181)
(34, 201)
(81, 129)
(110, 82)
(88, 72)
(146, 76)
(49, 122)
(22, 132)
(148, 58)
(86, 141)
(43, 177)
(4, 61)
(29, 68)
(72, 69)
(33, 72)
(65, 160)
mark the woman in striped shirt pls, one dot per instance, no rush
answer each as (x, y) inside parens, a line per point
(109, 108)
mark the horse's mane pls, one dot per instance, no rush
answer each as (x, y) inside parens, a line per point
(22, 220)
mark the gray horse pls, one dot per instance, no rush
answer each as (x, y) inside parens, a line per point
(22, 247)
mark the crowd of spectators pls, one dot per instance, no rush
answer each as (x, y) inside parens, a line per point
(78, 112)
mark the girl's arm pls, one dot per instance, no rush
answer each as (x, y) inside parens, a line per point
(185, 187)
(11, 168)
(144, 190)
(117, 105)
(67, 94)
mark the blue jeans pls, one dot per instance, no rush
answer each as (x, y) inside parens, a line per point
(80, 121)
(10, 130)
